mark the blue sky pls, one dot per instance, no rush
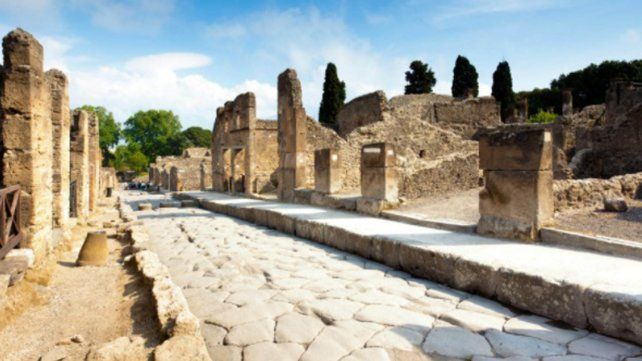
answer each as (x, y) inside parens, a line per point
(192, 56)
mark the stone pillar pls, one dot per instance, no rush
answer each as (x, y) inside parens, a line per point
(327, 171)
(79, 171)
(567, 102)
(206, 175)
(94, 161)
(522, 110)
(60, 119)
(292, 135)
(379, 172)
(27, 152)
(518, 172)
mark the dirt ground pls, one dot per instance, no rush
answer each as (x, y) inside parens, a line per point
(627, 225)
(461, 206)
(98, 304)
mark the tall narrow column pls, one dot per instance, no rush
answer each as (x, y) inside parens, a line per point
(27, 135)
(518, 172)
(292, 135)
(60, 119)
(327, 171)
(94, 161)
(79, 174)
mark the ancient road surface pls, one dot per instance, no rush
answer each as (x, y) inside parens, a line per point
(263, 295)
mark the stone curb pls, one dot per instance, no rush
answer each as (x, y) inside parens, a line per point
(177, 323)
(614, 246)
(614, 312)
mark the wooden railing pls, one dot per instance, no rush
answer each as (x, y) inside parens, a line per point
(10, 232)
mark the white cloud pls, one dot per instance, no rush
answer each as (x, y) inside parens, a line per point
(125, 90)
(140, 16)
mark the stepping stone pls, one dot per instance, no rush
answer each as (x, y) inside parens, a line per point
(251, 333)
(484, 305)
(330, 310)
(298, 328)
(225, 353)
(393, 316)
(604, 347)
(268, 351)
(339, 340)
(508, 345)
(543, 328)
(368, 354)
(400, 338)
(473, 321)
(452, 341)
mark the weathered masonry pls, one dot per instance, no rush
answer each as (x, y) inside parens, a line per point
(244, 148)
(42, 152)
(182, 173)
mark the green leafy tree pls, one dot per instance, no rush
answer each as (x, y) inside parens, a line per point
(198, 137)
(464, 77)
(158, 132)
(503, 89)
(420, 78)
(334, 96)
(130, 157)
(109, 131)
(543, 117)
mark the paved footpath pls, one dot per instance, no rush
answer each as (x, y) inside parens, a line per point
(264, 295)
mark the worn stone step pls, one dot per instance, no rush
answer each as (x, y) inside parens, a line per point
(584, 289)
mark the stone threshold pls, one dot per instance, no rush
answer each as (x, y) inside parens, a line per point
(581, 288)
(610, 245)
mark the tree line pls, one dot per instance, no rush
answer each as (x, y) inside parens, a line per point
(588, 86)
(144, 136)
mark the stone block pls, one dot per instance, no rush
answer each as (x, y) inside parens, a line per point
(516, 148)
(516, 204)
(336, 237)
(25, 254)
(327, 171)
(374, 206)
(144, 206)
(379, 155)
(189, 203)
(311, 230)
(358, 244)
(379, 183)
(385, 251)
(94, 251)
(614, 313)
(423, 262)
(556, 299)
(475, 277)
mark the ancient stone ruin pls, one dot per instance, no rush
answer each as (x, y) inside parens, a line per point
(53, 158)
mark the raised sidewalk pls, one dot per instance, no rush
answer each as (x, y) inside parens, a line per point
(582, 288)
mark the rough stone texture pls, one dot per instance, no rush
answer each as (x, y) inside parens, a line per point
(94, 160)
(507, 345)
(121, 349)
(379, 172)
(27, 131)
(292, 135)
(615, 205)
(61, 123)
(79, 170)
(244, 149)
(206, 175)
(108, 182)
(327, 171)
(591, 192)
(363, 110)
(517, 199)
(182, 348)
(452, 341)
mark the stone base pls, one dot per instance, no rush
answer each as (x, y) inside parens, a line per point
(374, 207)
(333, 201)
(507, 228)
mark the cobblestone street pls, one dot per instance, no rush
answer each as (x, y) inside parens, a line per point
(264, 295)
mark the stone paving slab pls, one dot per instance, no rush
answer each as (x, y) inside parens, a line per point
(262, 301)
(581, 288)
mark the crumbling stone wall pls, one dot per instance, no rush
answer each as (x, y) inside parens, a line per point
(60, 118)
(244, 149)
(363, 110)
(205, 175)
(27, 151)
(108, 182)
(79, 166)
(184, 175)
(590, 192)
(94, 161)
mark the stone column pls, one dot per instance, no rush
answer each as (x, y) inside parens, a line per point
(79, 171)
(94, 161)
(206, 175)
(567, 102)
(379, 172)
(60, 119)
(292, 135)
(27, 152)
(245, 108)
(327, 171)
(518, 172)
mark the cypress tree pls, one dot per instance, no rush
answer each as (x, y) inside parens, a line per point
(334, 95)
(420, 79)
(503, 89)
(464, 77)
